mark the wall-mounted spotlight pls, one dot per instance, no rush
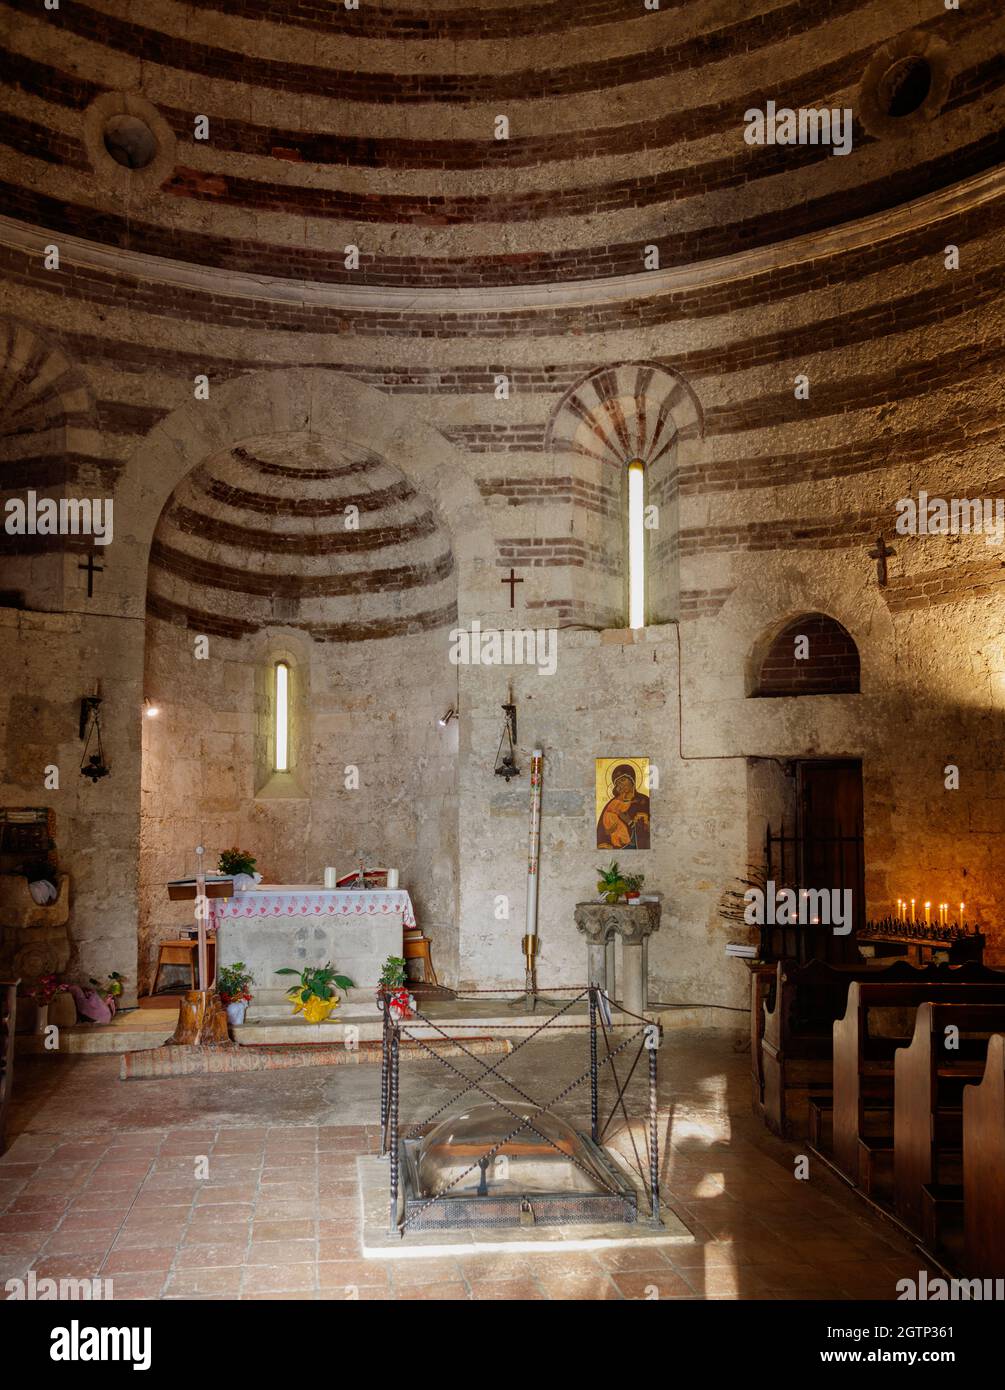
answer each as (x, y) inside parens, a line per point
(150, 709)
(445, 719)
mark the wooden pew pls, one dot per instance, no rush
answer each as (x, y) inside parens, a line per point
(984, 1168)
(8, 1017)
(792, 1041)
(864, 1063)
(928, 1102)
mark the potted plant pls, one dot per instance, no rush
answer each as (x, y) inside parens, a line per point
(611, 884)
(317, 993)
(392, 975)
(232, 984)
(239, 864)
(633, 887)
(43, 993)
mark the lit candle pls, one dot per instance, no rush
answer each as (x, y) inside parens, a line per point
(928, 913)
(961, 914)
(912, 909)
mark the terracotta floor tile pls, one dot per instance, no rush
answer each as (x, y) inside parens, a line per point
(222, 1283)
(141, 1285)
(506, 1291)
(300, 1228)
(334, 1274)
(220, 1256)
(421, 1271)
(453, 1291)
(652, 1284)
(141, 1260)
(281, 1252)
(284, 1278)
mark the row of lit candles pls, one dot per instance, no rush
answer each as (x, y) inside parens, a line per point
(943, 910)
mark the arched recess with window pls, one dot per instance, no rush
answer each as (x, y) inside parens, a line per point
(624, 432)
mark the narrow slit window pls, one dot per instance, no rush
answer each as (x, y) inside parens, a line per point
(636, 544)
(282, 717)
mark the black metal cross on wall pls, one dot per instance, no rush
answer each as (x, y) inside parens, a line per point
(92, 569)
(512, 580)
(880, 555)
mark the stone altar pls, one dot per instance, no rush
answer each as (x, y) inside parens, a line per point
(295, 925)
(601, 923)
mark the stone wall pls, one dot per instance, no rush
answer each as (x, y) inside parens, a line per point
(503, 351)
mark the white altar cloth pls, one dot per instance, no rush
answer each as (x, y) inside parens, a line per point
(304, 900)
(297, 925)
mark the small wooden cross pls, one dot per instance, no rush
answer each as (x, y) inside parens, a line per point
(512, 580)
(92, 569)
(879, 555)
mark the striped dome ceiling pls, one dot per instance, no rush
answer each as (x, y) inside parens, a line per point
(264, 534)
(377, 127)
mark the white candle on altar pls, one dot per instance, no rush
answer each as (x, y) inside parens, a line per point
(392, 878)
(961, 913)
(331, 878)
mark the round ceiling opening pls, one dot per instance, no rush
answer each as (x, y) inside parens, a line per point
(905, 85)
(129, 141)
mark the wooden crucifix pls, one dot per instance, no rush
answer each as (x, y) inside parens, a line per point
(512, 580)
(880, 554)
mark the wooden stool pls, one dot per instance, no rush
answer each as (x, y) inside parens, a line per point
(185, 951)
(419, 950)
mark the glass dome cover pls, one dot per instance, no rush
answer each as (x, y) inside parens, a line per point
(551, 1157)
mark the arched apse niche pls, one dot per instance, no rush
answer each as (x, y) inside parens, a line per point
(317, 540)
(606, 421)
(810, 654)
(48, 442)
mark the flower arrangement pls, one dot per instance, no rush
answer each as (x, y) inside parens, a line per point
(399, 1003)
(237, 861)
(47, 987)
(633, 886)
(232, 983)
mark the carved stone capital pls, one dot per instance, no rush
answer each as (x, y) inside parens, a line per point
(633, 922)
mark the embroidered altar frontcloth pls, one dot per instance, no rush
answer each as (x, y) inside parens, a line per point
(304, 900)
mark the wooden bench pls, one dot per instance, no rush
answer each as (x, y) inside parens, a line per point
(792, 1018)
(929, 1078)
(864, 1062)
(984, 1168)
(8, 1019)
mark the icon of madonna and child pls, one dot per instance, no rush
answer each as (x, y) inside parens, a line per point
(622, 790)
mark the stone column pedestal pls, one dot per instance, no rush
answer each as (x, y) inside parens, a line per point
(600, 923)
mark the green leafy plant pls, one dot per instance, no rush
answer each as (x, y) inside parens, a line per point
(634, 882)
(321, 981)
(392, 976)
(611, 883)
(236, 861)
(233, 981)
